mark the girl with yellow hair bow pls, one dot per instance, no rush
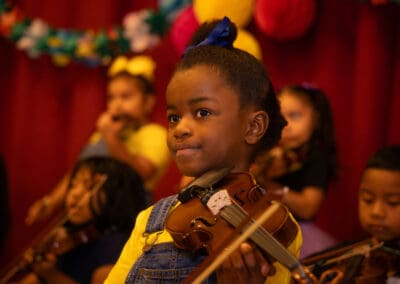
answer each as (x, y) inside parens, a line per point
(124, 130)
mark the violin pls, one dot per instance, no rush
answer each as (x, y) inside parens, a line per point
(59, 240)
(210, 218)
(368, 261)
(60, 237)
(277, 162)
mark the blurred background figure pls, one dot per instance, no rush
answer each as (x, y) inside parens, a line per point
(299, 169)
(378, 257)
(103, 198)
(123, 131)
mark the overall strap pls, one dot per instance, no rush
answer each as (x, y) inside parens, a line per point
(159, 214)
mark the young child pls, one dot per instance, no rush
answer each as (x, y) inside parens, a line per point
(221, 110)
(124, 130)
(103, 198)
(379, 211)
(305, 161)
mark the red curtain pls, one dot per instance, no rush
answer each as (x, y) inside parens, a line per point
(48, 112)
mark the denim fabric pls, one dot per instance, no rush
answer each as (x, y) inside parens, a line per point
(163, 263)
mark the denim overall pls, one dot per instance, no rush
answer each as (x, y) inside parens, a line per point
(163, 263)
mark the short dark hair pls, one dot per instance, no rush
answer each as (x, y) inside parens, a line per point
(387, 158)
(243, 72)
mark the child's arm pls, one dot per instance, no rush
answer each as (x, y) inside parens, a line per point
(42, 208)
(46, 271)
(304, 204)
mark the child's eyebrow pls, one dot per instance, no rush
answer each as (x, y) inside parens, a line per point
(392, 194)
(365, 190)
(194, 101)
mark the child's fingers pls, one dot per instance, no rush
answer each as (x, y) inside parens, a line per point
(254, 259)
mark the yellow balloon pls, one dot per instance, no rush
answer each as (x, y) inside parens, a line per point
(239, 11)
(247, 42)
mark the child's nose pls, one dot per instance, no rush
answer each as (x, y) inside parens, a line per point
(77, 191)
(182, 129)
(378, 209)
(115, 105)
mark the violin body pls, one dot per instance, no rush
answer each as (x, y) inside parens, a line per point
(193, 226)
(277, 162)
(357, 263)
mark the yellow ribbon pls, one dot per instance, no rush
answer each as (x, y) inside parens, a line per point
(138, 65)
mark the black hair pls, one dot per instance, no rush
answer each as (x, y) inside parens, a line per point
(145, 85)
(243, 72)
(119, 199)
(387, 158)
(323, 136)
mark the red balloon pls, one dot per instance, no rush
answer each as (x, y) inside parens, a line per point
(183, 28)
(284, 19)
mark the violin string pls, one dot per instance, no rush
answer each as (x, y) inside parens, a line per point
(391, 250)
(234, 214)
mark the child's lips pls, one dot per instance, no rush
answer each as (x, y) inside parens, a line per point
(377, 228)
(185, 152)
(73, 210)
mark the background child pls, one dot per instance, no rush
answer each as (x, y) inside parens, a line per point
(104, 194)
(304, 161)
(221, 109)
(123, 130)
(378, 211)
(379, 205)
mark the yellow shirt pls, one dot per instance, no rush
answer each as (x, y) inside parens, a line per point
(133, 249)
(149, 141)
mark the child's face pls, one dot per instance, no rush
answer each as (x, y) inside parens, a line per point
(126, 99)
(379, 203)
(207, 127)
(300, 117)
(78, 198)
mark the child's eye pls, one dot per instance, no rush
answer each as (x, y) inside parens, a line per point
(393, 203)
(173, 118)
(367, 200)
(294, 115)
(202, 113)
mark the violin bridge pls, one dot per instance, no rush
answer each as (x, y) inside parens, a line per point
(218, 201)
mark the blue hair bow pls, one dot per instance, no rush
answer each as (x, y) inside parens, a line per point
(218, 36)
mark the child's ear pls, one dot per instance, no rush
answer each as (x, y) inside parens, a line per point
(258, 124)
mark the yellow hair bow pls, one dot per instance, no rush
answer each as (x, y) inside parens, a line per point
(138, 65)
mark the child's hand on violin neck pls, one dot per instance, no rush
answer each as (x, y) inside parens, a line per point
(245, 265)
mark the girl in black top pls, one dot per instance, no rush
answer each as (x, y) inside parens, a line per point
(300, 168)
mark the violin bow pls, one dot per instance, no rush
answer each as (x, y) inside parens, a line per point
(362, 250)
(235, 244)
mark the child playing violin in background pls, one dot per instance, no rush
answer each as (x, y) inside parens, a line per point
(300, 168)
(379, 215)
(124, 130)
(103, 198)
(221, 110)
